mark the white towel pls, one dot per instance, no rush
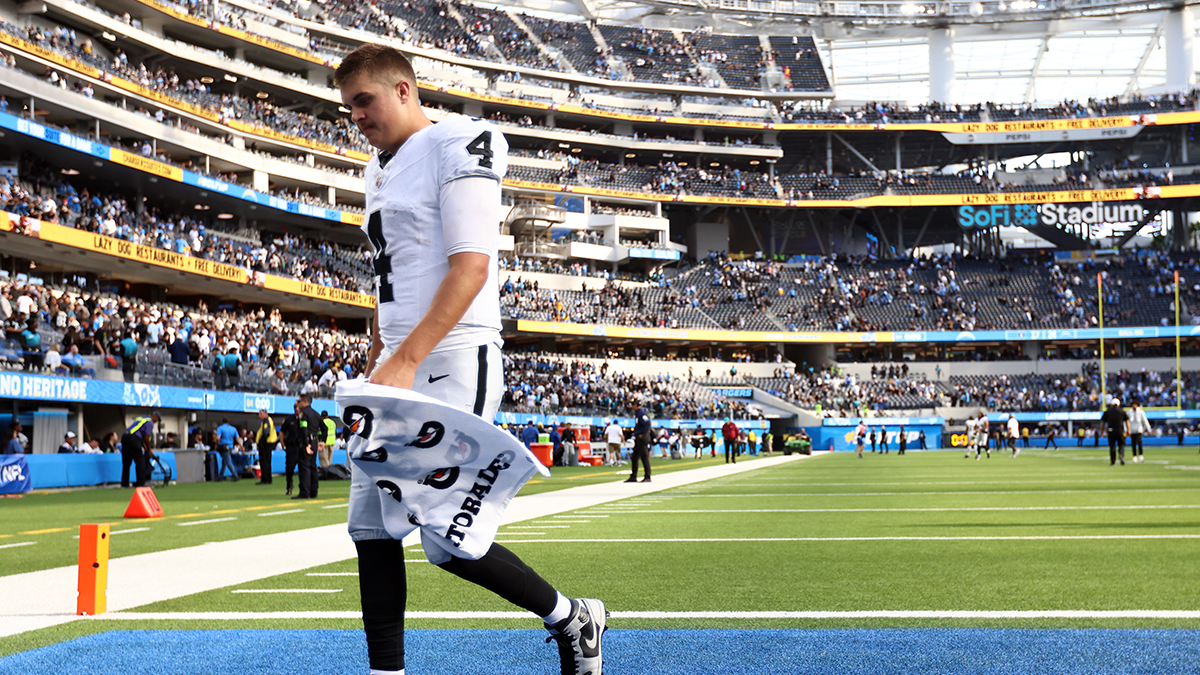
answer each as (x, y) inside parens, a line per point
(442, 469)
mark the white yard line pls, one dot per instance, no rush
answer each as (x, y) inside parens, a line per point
(204, 567)
(851, 614)
(280, 513)
(1131, 479)
(20, 543)
(948, 509)
(336, 506)
(773, 495)
(205, 522)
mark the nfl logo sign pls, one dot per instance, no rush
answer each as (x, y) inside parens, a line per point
(378, 179)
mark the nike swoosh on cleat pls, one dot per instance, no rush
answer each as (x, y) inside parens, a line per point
(433, 379)
(588, 637)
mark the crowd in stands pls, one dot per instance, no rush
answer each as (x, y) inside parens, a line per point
(942, 292)
(554, 385)
(663, 178)
(828, 391)
(339, 133)
(45, 194)
(81, 332)
(1059, 393)
(621, 210)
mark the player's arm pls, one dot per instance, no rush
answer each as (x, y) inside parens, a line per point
(376, 343)
(470, 214)
(468, 273)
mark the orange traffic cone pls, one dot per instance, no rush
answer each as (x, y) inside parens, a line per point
(144, 504)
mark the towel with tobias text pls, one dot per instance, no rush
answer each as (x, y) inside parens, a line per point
(441, 469)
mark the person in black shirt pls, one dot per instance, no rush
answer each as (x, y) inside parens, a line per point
(641, 443)
(1117, 421)
(310, 428)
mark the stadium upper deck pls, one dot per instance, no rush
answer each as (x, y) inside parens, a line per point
(275, 124)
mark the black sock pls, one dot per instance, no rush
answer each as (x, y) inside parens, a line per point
(384, 589)
(503, 573)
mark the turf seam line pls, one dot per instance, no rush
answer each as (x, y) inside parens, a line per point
(816, 539)
(849, 614)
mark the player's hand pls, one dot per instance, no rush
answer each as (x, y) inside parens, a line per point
(393, 373)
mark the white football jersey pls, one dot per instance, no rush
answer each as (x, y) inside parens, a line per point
(406, 229)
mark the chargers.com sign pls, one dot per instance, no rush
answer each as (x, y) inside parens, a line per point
(1054, 215)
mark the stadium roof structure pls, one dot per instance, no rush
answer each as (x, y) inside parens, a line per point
(1011, 51)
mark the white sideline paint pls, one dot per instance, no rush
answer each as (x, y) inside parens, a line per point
(114, 533)
(286, 590)
(862, 614)
(331, 574)
(46, 598)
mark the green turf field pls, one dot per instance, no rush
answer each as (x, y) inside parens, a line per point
(48, 521)
(928, 531)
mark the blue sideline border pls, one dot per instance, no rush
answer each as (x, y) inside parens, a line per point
(936, 651)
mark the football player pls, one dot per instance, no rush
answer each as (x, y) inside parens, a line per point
(433, 204)
(971, 438)
(982, 431)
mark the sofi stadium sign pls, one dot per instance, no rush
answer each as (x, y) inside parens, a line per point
(1055, 215)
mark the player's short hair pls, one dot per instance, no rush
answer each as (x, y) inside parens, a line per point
(381, 63)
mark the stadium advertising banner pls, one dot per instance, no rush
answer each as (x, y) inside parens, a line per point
(840, 437)
(1050, 213)
(14, 475)
(98, 243)
(520, 419)
(56, 389)
(1091, 415)
(832, 337)
(976, 201)
(1008, 137)
(883, 421)
(1016, 131)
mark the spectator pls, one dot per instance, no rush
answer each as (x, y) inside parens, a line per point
(13, 446)
(227, 440)
(68, 445)
(615, 437)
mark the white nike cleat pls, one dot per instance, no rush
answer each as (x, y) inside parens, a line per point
(578, 637)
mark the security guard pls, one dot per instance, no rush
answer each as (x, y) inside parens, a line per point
(136, 450)
(310, 426)
(328, 438)
(266, 438)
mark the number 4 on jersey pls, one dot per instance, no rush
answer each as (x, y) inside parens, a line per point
(482, 147)
(383, 261)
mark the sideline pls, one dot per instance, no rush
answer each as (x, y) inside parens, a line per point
(45, 598)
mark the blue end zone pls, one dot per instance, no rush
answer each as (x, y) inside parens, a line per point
(640, 652)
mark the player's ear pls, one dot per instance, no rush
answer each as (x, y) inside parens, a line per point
(403, 90)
